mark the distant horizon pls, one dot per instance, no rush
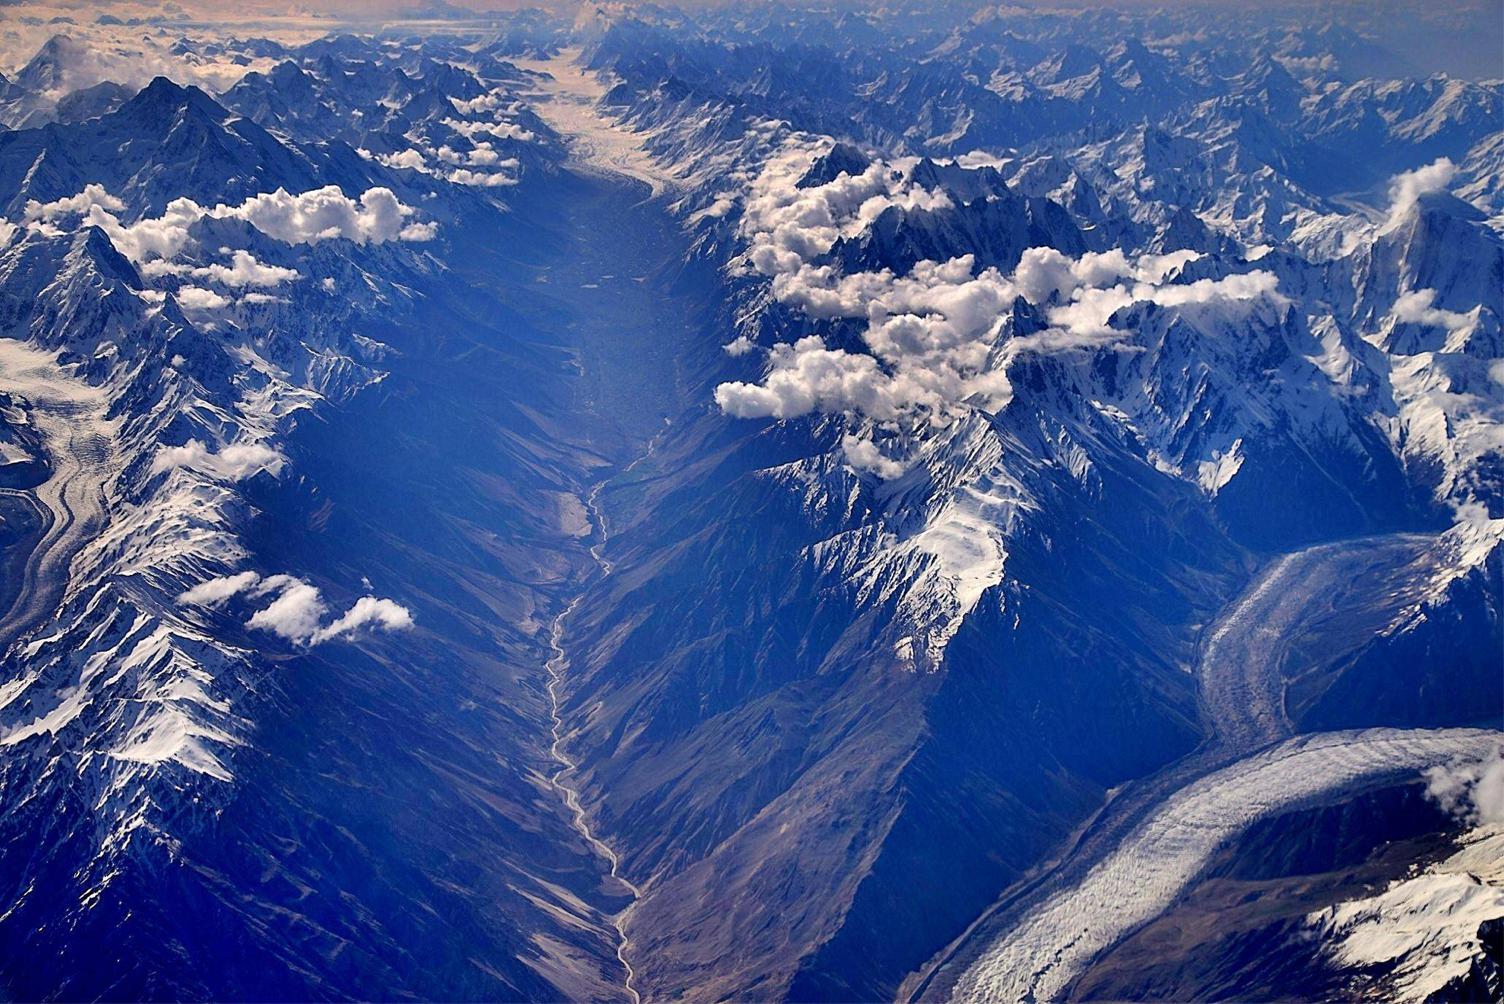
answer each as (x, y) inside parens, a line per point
(1461, 39)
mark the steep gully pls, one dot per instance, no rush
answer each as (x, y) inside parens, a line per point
(1145, 846)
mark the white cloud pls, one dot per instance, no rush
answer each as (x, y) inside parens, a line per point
(411, 160)
(321, 214)
(1406, 188)
(1242, 286)
(199, 298)
(234, 463)
(163, 236)
(932, 335)
(368, 610)
(806, 376)
(484, 155)
(863, 455)
(492, 101)
(93, 53)
(465, 176)
(1417, 307)
(297, 609)
(216, 591)
(1472, 791)
(787, 226)
(160, 237)
(324, 214)
(495, 128)
(92, 195)
(1043, 273)
(295, 613)
(159, 268)
(245, 270)
(419, 232)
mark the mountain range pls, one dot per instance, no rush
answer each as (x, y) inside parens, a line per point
(753, 503)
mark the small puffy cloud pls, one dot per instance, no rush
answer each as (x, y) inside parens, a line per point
(1156, 268)
(863, 455)
(159, 268)
(214, 592)
(245, 270)
(411, 160)
(492, 101)
(1418, 307)
(234, 463)
(297, 609)
(931, 334)
(368, 611)
(721, 207)
(1243, 286)
(329, 284)
(199, 298)
(92, 195)
(1043, 273)
(1085, 320)
(485, 155)
(160, 237)
(1471, 791)
(457, 172)
(482, 179)
(295, 613)
(738, 346)
(1406, 188)
(325, 213)
(418, 232)
(512, 131)
(806, 376)
(497, 129)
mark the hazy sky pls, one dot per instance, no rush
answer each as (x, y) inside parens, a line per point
(235, 9)
(1459, 36)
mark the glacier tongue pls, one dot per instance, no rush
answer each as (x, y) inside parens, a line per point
(1039, 960)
